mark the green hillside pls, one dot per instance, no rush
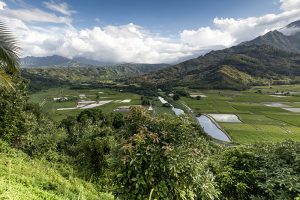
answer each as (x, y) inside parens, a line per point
(286, 38)
(236, 68)
(91, 74)
(24, 178)
(278, 40)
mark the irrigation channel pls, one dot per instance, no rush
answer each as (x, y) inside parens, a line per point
(177, 111)
(211, 129)
(209, 126)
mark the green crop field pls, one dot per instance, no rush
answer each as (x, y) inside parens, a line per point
(260, 123)
(45, 99)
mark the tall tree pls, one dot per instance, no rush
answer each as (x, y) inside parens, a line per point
(9, 56)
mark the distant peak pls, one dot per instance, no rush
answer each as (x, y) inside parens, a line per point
(291, 28)
(295, 24)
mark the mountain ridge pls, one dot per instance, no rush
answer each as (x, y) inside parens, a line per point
(286, 38)
(32, 61)
(258, 64)
(91, 74)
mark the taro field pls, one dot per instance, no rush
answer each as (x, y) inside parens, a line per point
(267, 114)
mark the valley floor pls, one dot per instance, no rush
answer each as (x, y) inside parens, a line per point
(106, 99)
(266, 114)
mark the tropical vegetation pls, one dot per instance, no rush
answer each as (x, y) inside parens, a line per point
(97, 155)
(9, 60)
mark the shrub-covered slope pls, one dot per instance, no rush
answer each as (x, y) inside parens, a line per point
(24, 178)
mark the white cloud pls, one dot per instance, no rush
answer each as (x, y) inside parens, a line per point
(290, 31)
(230, 31)
(207, 37)
(133, 43)
(32, 15)
(2, 5)
(127, 43)
(62, 8)
(290, 4)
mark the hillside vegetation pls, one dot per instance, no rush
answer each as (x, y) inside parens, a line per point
(91, 74)
(234, 68)
(135, 156)
(138, 155)
(24, 178)
(269, 59)
(287, 38)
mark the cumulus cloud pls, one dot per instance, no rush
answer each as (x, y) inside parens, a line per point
(2, 5)
(62, 8)
(207, 37)
(249, 28)
(230, 31)
(127, 43)
(290, 4)
(130, 42)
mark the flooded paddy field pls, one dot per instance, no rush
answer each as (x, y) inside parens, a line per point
(263, 118)
(229, 118)
(212, 129)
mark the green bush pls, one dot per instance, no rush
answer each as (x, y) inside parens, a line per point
(23, 178)
(263, 171)
(145, 101)
(15, 122)
(176, 97)
(162, 156)
(90, 141)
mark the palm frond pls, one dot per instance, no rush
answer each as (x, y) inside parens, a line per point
(9, 50)
(5, 81)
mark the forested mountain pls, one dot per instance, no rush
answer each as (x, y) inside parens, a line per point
(269, 59)
(87, 61)
(92, 74)
(278, 40)
(236, 68)
(31, 61)
(287, 38)
(59, 61)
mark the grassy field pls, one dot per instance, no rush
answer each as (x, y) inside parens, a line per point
(260, 123)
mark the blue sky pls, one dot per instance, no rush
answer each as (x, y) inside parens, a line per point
(168, 16)
(165, 16)
(148, 31)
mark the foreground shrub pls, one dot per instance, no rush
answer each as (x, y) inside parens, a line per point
(161, 158)
(264, 171)
(90, 141)
(24, 178)
(15, 122)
